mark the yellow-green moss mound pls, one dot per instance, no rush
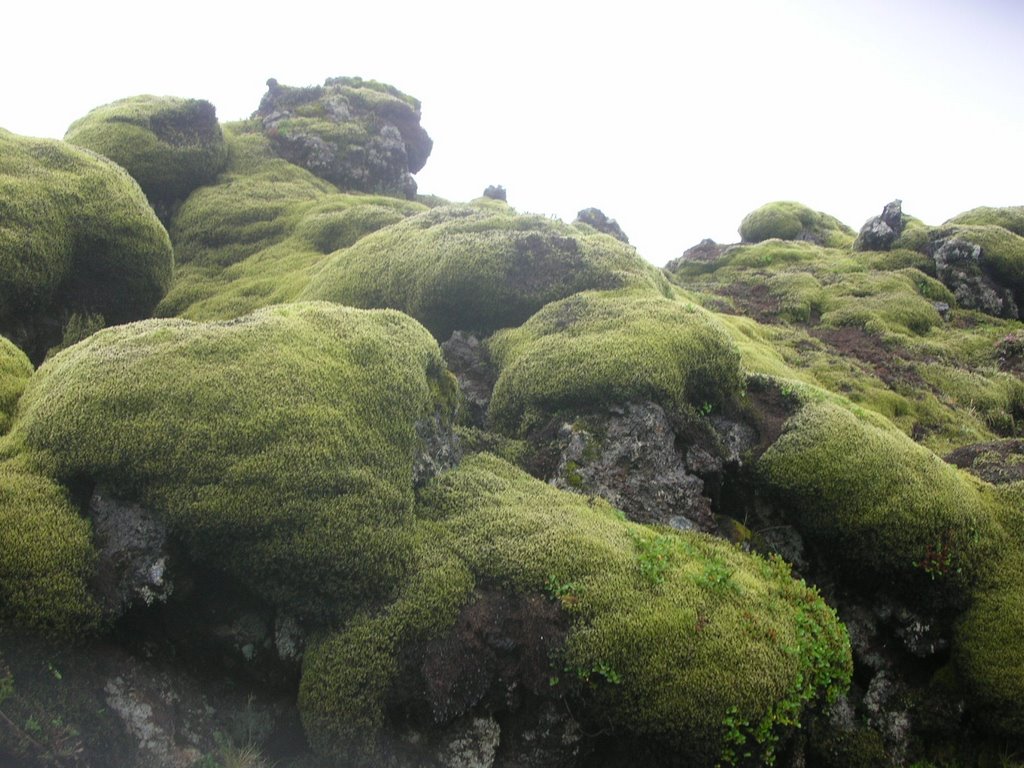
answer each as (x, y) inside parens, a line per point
(255, 237)
(678, 638)
(76, 236)
(597, 348)
(46, 558)
(279, 446)
(893, 512)
(477, 267)
(169, 145)
(988, 648)
(793, 221)
(15, 370)
(1010, 218)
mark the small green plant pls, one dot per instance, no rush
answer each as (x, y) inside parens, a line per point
(716, 576)
(572, 475)
(654, 556)
(938, 559)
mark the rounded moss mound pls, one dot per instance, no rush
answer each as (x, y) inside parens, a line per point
(793, 221)
(46, 558)
(279, 447)
(678, 638)
(169, 145)
(988, 649)
(893, 512)
(477, 268)
(15, 370)
(76, 236)
(598, 348)
(1011, 218)
(254, 206)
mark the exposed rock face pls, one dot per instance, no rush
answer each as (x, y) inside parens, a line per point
(496, 193)
(488, 689)
(439, 449)
(959, 264)
(133, 568)
(596, 218)
(467, 358)
(880, 232)
(707, 250)
(629, 456)
(358, 134)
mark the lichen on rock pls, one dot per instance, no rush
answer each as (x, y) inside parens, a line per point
(358, 134)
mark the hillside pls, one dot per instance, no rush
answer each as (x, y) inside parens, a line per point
(301, 467)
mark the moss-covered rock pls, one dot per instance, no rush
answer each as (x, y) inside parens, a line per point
(600, 348)
(477, 267)
(679, 639)
(1010, 218)
(46, 558)
(893, 513)
(793, 221)
(279, 447)
(358, 134)
(76, 236)
(15, 370)
(255, 237)
(169, 145)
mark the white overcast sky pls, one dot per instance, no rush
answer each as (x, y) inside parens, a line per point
(674, 118)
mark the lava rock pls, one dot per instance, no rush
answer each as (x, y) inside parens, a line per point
(880, 232)
(594, 217)
(959, 264)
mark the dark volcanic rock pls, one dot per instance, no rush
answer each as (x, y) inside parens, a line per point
(628, 457)
(496, 193)
(596, 218)
(467, 358)
(133, 561)
(997, 462)
(959, 264)
(707, 250)
(358, 134)
(880, 232)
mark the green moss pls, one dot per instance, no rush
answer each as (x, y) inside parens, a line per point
(46, 558)
(255, 237)
(478, 267)
(669, 659)
(169, 145)
(793, 221)
(278, 446)
(1002, 254)
(988, 637)
(76, 235)
(597, 348)
(890, 510)
(15, 370)
(1011, 218)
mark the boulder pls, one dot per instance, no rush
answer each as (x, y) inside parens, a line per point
(594, 217)
(879, 233)
(357, 134)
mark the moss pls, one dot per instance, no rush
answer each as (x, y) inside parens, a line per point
(46, 558)
(15, 370)
(477, 268)
(597, 348)
(890, 510)
(1011, 218)
(988, 637)
(1002, 254)
(255, 237)
(671, 659)
(279, 447)
(169, 145)
(793, 221)
(76, 235)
